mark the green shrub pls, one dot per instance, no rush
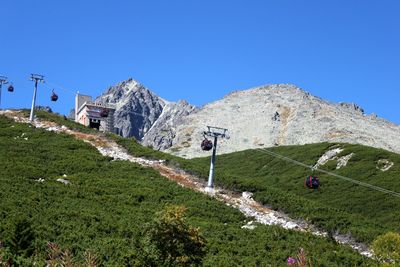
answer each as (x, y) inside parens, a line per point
(170, 241)
(22, 238)
(387, 247)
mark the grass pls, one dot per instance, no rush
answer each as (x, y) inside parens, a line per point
(60, 120)
(340, 206)
(107, 204)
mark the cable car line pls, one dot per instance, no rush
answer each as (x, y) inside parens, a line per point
(50, 85)
(61, 87)
(373, 187)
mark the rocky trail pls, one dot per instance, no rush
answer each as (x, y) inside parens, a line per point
(244, 202)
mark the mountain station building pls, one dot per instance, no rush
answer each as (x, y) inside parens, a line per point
(93, 114)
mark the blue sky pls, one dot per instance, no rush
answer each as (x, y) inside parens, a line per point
(340, 50)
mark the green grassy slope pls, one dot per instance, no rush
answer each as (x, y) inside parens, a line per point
(130, 144)
(339, 206)
(61, 120)
(108, 202)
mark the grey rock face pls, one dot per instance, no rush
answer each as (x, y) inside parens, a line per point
(142, 114)
(137, 109)
(281, 115)
(352, 106)
(163, 131)
(71, 114)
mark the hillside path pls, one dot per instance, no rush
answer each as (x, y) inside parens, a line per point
(243, 202)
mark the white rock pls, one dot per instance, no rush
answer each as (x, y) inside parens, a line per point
(342, 161)
(249, 226)
(247, 195)
(64, 181)
(327, 156)
(384, 165)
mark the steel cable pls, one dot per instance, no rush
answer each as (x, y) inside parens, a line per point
(374, 187)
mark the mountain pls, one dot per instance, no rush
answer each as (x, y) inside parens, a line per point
(265, 116)
(140, 113)
(163, 131)
(278, 115)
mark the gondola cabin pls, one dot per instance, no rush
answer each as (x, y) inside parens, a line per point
(104, 113)
(312, 182)
(54, 96)
(206, 145)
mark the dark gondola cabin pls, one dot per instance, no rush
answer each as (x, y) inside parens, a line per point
(206, 145)
(11, 88)
(54, 97)
(312, 182)
(104, 113)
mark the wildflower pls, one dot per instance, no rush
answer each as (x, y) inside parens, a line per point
(291, 261)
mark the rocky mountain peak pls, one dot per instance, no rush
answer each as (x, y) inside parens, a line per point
(138, 109)
(284, 90)
(129, 81)
(281, 114)
(118, 94)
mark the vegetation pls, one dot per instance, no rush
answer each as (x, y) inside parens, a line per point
(60, 120)
(22, 238)
(106, 207)
(137, 150)
(340, 206)
(387, 247)
(300, 260)
(169, 241)
(57, 257)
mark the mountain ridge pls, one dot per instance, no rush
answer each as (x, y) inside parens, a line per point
(264, 116)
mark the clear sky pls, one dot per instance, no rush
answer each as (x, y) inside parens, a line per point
(340, 50)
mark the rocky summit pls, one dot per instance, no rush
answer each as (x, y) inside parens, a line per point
(265, 116)
(142, 114)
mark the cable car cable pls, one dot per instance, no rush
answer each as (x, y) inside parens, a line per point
(373, 187)
(61, 87)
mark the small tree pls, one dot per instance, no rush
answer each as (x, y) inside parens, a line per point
(21, 241)
(5, 256)
(169, 241)
(387, 247)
